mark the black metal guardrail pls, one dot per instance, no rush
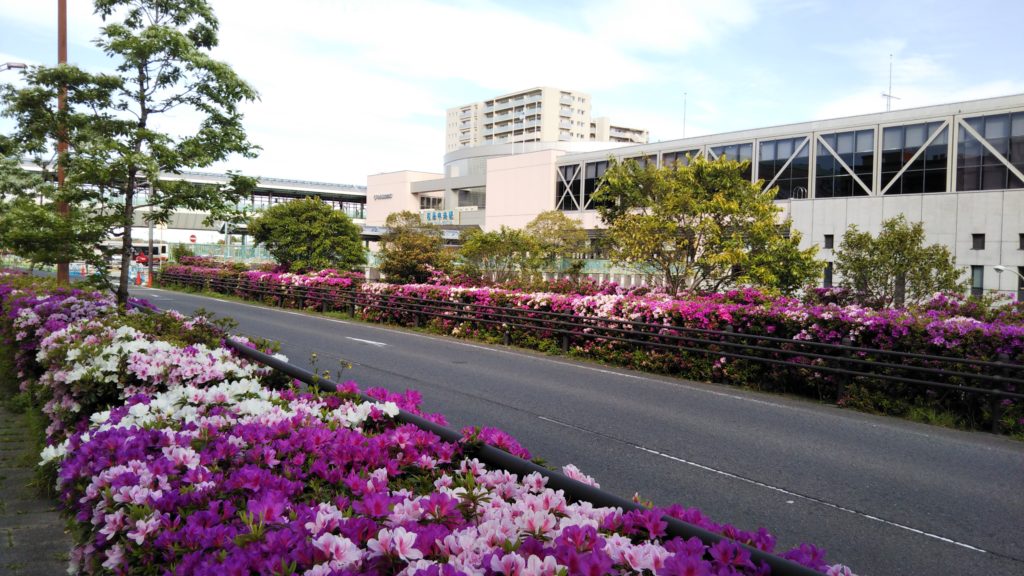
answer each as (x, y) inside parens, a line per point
(494, 457)
(997, 381)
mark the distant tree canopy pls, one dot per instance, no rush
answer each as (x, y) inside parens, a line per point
(410, 248)
(309, 235)
(895, 268)
(500, 255)
(702, 226)
(559, 241)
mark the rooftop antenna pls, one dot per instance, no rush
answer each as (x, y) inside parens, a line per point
(888, 95)
(684, 114)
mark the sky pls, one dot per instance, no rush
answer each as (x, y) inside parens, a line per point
(350, 88)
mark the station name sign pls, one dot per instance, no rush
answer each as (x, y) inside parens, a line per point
(382, 196)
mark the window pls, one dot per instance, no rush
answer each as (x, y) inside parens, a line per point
(1020, 283)
(827, 282)
(594, 173)
(644, 161)
(739, 152)
(977, 280)
(773, 155)
(977, 241)
(829, 241)
(567, 188)
(977, 167)
(856, 149)
(927, 173)
(1020, 241)
(682, 157)
(430, 203)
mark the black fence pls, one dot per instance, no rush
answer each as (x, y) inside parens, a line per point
(496, 458)
(840, 364)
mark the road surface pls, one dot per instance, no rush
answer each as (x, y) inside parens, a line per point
(882, 495)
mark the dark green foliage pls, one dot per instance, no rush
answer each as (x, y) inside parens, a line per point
(410, 249)
(161, 52)
(307, 235)
(895, 268)
(702, 227)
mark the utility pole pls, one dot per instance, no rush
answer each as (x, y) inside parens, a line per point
(63, 273)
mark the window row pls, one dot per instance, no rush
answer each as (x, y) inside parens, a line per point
(913, 159)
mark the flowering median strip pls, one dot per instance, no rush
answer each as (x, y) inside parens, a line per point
(183, 456)
(939, 362)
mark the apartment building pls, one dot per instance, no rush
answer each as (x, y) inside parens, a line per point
(543, 114)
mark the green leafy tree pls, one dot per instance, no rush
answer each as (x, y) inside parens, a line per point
(703, 226)
(309, 235)
(559, 241)
(410, 248)
(501, 255)
(117, 145)
(895, 268)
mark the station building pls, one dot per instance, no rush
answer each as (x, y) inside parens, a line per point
(958, 168)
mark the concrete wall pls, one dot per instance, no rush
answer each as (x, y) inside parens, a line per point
(519, 187)
(950, 219)
(392, 192)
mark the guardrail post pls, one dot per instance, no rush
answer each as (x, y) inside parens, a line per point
(506, 336)
(565, 342)
(995, 402)
(843, 380)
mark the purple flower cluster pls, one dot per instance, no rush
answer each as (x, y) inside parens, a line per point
(199, 469)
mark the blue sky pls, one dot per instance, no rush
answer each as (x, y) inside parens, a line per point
(351, 88)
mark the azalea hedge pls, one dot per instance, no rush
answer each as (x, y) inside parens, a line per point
(172, 455)
(948, 325)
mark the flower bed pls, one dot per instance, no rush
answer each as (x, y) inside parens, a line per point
(181, 459)
(947, 326)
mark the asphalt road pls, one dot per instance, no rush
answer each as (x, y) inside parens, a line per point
(881, 495)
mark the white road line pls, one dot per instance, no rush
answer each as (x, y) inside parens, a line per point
(812, 499)
(678, 383)
(367, 341)
(777, 489)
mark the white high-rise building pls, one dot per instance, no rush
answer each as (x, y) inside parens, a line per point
(542, 114)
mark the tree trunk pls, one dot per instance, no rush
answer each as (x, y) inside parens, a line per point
(900, 292)
(128, 218)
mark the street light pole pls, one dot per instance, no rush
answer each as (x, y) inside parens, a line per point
(63, 275)
(999, 268)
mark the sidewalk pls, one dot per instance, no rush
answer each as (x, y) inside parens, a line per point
(32, 538)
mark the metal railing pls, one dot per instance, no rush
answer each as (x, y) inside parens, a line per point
(844, 363)
(574, 490)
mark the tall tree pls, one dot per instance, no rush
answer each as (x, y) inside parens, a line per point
(703, 226)
(309, 235)
(118, 147)
(895, 268)
(500, 255)
(410, 248)
(559, 241)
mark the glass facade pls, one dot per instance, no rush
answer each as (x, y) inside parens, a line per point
(593, 173)
(927, 173)
(567, 188)
(977, 167)
(740, 152)
(472, 197)
(645, 161)
(670, 158)
(773, 155)
(857, 150)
